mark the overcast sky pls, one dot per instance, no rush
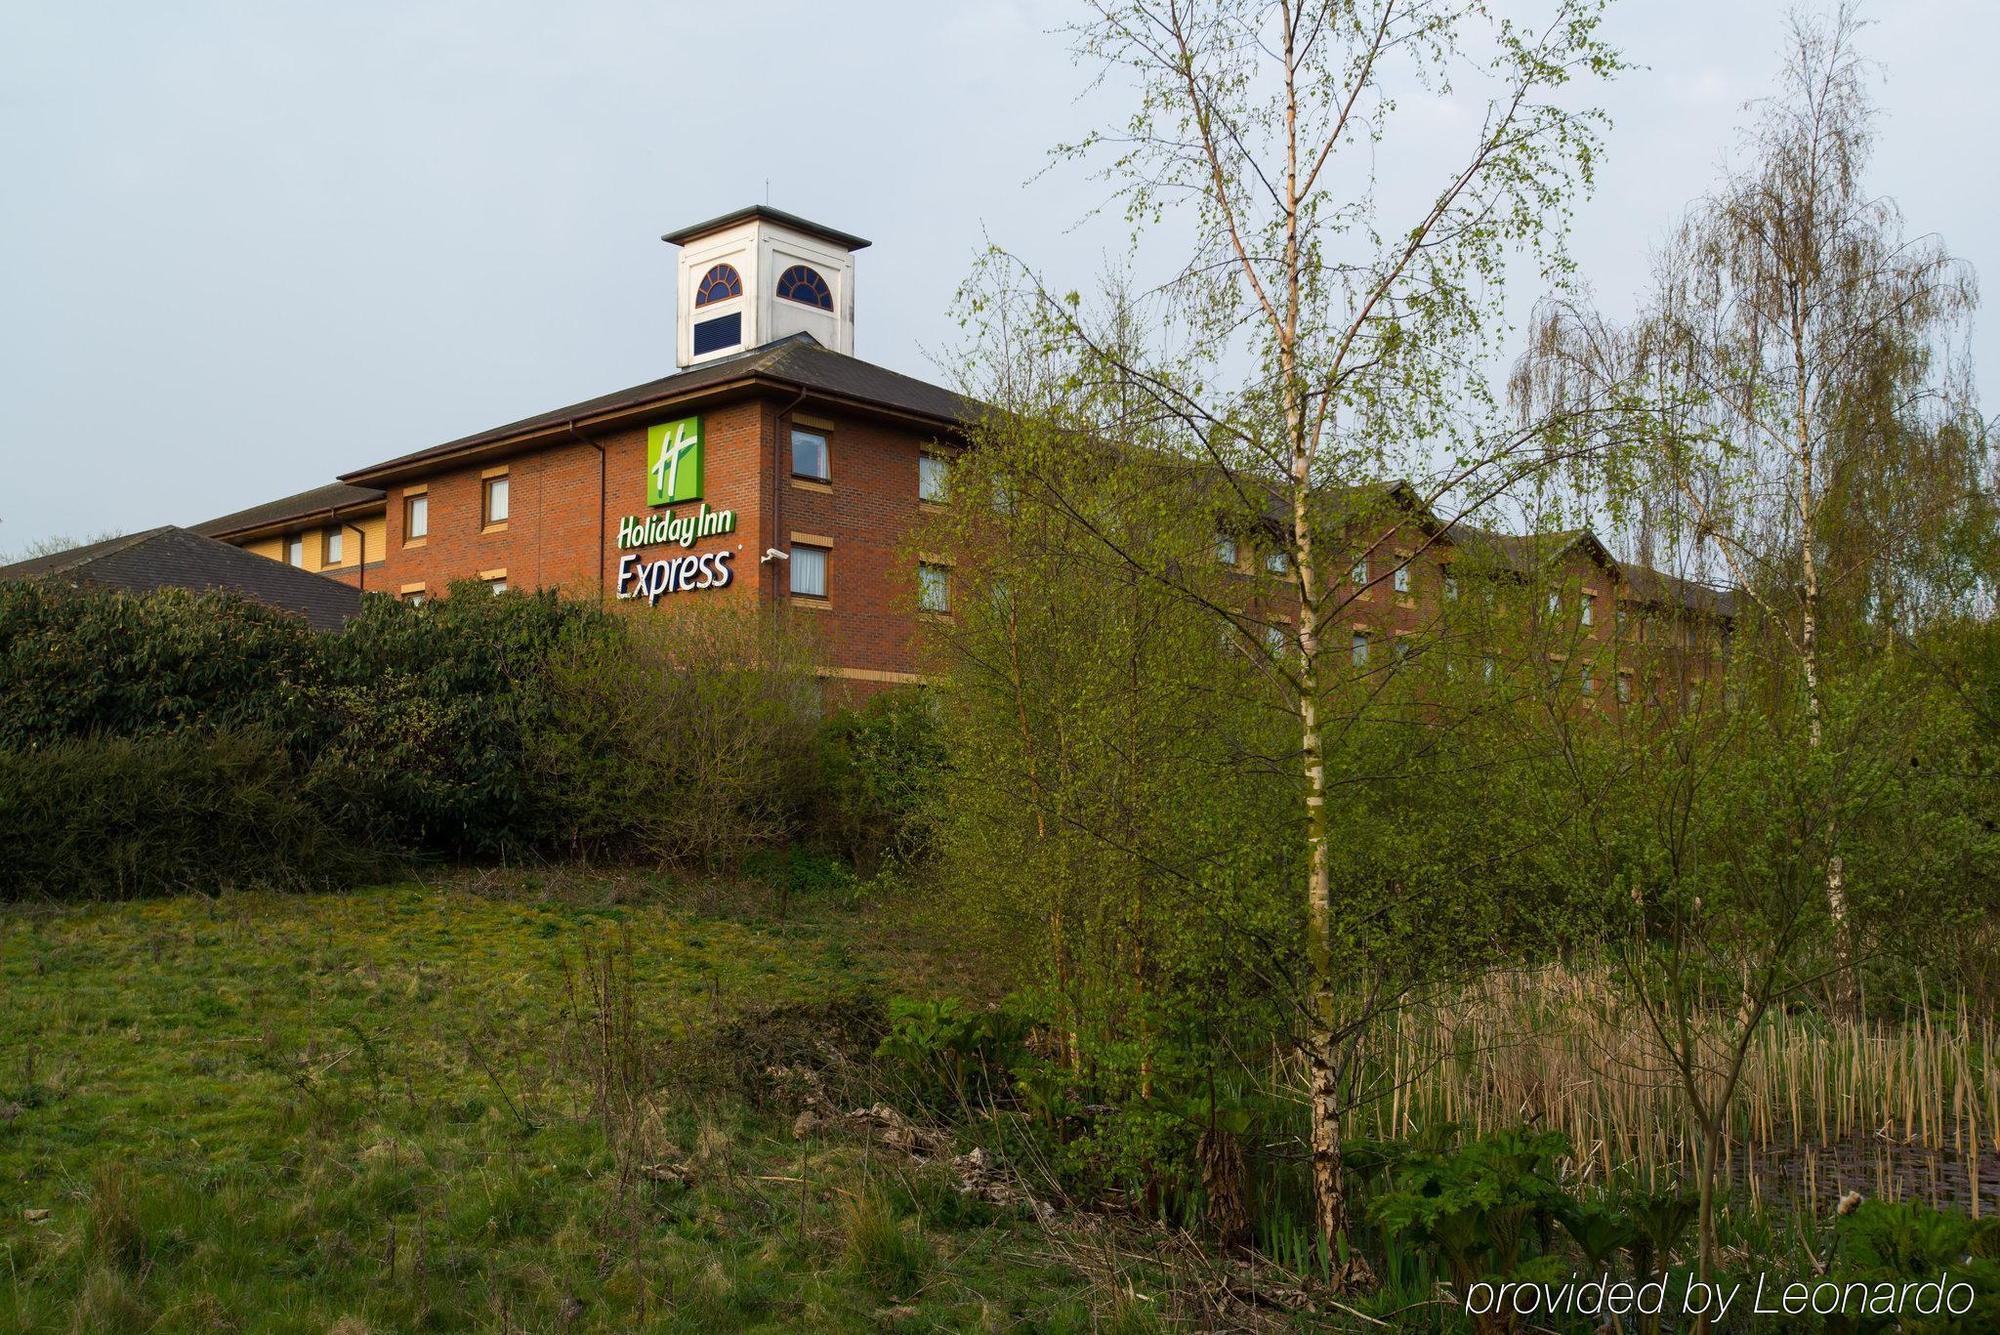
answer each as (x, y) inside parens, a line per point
(247, 246)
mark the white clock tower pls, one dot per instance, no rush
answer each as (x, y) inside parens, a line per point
(758, 274)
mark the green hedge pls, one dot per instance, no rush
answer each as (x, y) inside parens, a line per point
(470, 726)
(117, 817)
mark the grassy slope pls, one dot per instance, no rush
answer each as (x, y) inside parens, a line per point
(373, 1111)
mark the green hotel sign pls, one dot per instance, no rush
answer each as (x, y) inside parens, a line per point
(673, 476)
(673, 462)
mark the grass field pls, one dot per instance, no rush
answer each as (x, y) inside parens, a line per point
(394, 1110)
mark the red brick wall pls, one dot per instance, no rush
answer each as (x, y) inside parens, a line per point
(551, 538)
(869, 514)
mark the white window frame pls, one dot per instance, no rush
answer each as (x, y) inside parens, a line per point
(1402, 578)
(295, 550)
(1358, 576)
(1588, 614)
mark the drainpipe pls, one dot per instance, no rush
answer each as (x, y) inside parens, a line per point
(361, 556)
(360, 549)
(601, 519)
(780, 471)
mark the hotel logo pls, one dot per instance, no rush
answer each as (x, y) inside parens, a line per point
(673, 462)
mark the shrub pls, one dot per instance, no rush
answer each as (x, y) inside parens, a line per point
(88, 663)
(439, 710)
(117, 817)
(687, 737)
(878, 766)
(1487, 1209)
(410, 730)
(951, 1053)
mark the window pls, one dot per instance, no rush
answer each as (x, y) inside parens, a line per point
(496, 499)
(806, 287)
(808, 571)
(1451, 588)
(809, 455)
(1360, 649)
(1555, 603)
(416, 517)
(330, 546)
(499, 586)
(414, 598)
(1624, 689)
(718, 284)
(1225, 549)
(1486, 670)
(295, 550)
(1588, 614)
(1585, 680)
(1402, 579)
(932, 470)
(724, 331)
(1003, 496)
(1277, 563)
(1359, 575)
(1402, 650)
(1274, 640)
(1618, 618)
(933, 588)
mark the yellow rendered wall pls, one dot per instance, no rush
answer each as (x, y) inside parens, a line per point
(373, 536)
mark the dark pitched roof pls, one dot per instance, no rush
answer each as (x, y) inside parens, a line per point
(170, 557)
(793, 220)
(1659, 588)
(318, 501)
(797, 362)
(1523, 553)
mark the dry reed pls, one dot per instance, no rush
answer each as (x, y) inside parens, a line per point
(1894, 1108)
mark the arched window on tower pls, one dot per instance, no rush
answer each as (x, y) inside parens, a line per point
(718, 284)
(806, 287)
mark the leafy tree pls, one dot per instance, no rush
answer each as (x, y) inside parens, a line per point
(1318, 334)
(1798, 411)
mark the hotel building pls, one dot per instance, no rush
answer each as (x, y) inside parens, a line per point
(775, 465)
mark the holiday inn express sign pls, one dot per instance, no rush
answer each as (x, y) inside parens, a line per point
(673, 476)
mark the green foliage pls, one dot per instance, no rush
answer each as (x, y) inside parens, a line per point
(1897, 1242)
(879, 768)
(469, 725)
(84, 663)
(685, 736)
(436, 711)
(1487, 1209)
(116, 817)
(951, 1053)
